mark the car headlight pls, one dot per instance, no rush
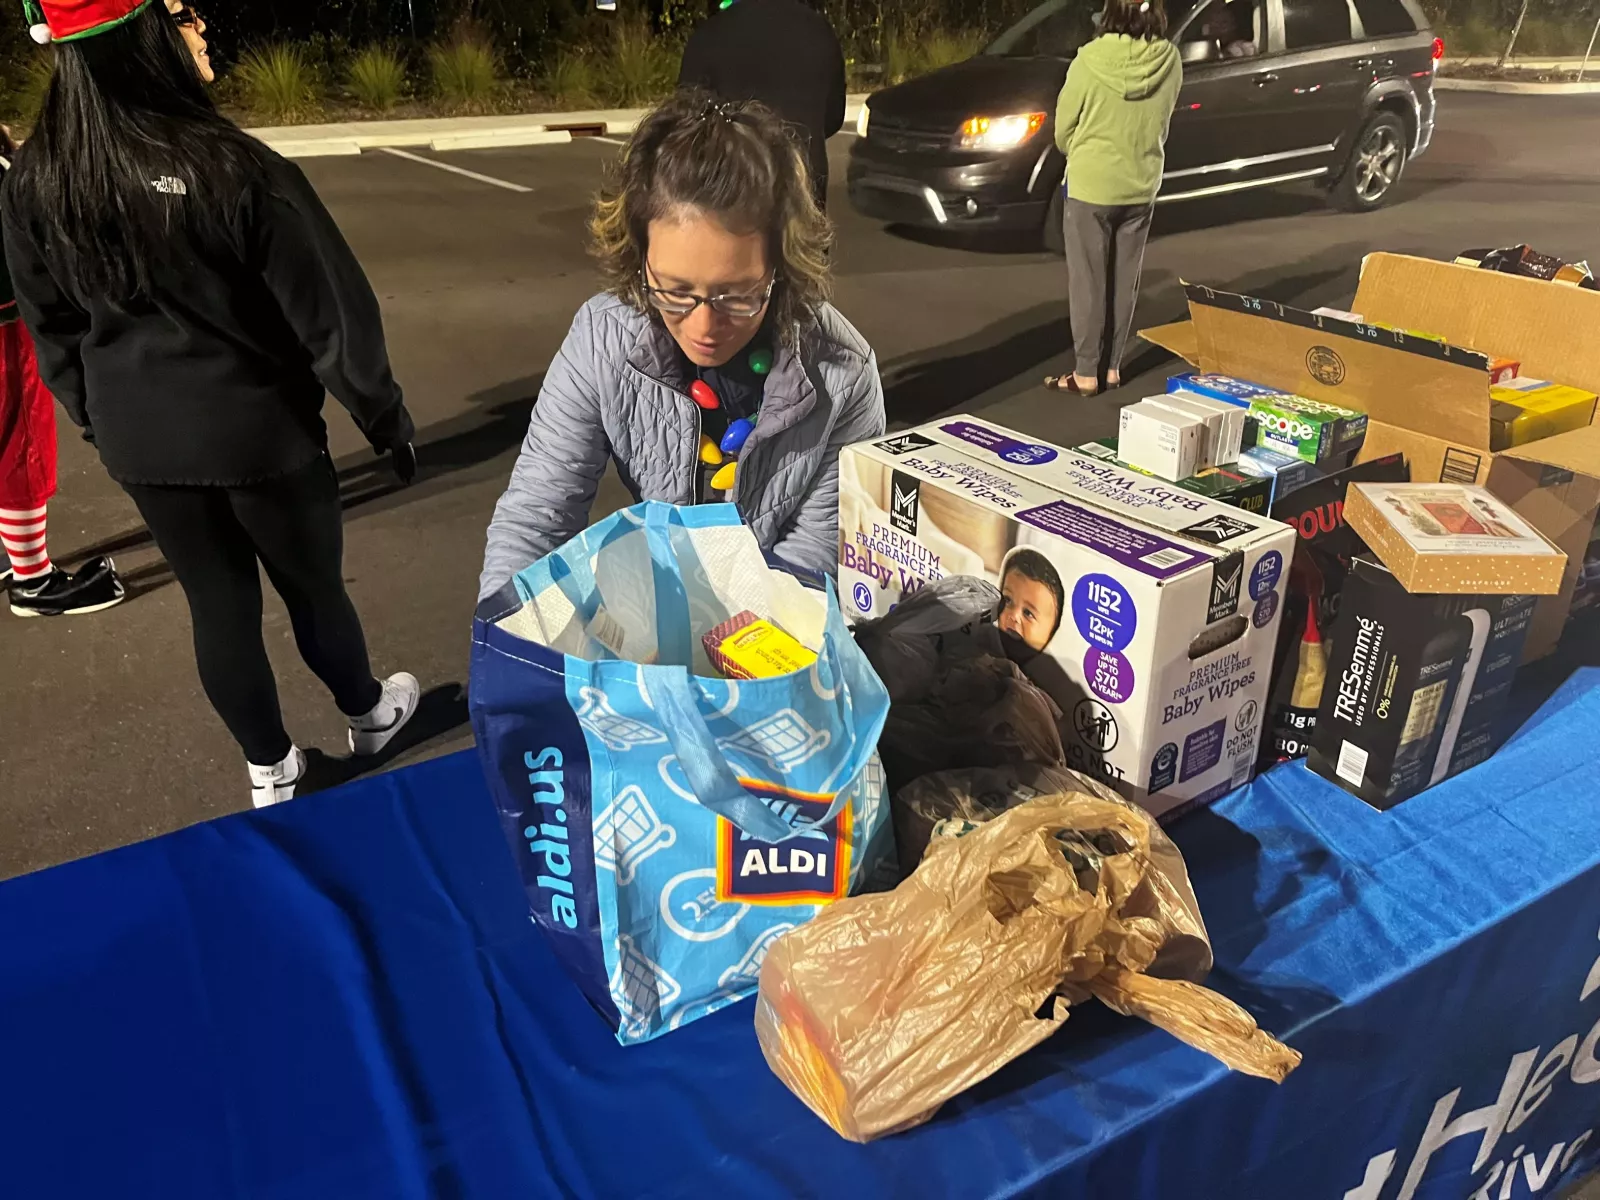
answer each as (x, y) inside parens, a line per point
(999, 133)
(862, 118)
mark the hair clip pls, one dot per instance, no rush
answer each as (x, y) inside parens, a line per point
(725, 109)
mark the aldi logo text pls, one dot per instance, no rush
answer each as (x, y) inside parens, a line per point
(809, 868)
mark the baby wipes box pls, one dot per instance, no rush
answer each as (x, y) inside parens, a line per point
(1147, 612)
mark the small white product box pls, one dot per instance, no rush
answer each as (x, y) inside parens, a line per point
(1231, 436)
(1149, 614)
(1160, 440)
(1211, 425)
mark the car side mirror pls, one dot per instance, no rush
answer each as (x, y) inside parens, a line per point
(1202, 51)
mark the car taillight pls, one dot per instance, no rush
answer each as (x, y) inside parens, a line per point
(1438, 49)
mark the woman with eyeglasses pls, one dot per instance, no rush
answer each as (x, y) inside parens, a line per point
(191, 299)
(712, 367)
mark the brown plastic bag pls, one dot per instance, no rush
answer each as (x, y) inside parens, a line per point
(883, 1007)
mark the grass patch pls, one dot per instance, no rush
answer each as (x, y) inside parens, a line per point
(377, 78)
(909, 52)
(570, 79)
(636, 66)
(26, 85)
(277, 82)
(466, 74)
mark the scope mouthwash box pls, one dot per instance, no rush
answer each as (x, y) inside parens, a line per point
(1307, 429)
(1146, 612)
(1416, 684)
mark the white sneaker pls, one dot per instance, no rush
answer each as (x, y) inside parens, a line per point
(369, 734)
(275, 784)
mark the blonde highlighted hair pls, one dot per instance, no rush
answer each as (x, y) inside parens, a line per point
(737, 162)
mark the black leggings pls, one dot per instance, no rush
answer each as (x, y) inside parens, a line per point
(212, 538)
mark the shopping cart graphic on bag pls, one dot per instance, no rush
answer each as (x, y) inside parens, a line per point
(617, 732)
(640, 988)
(747, 971)
(784, 740)
(869, 792)
(628, 832)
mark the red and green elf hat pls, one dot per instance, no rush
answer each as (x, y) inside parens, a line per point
(68, 20)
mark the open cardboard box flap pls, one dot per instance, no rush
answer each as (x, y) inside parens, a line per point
(1549, 328)
(1409, 382)
(1425, 399)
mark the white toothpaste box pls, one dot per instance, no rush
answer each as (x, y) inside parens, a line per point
(1212, 429)
(1161, 440)
(1148, 613)
(1232, 419)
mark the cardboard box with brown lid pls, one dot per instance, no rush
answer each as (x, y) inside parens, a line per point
(1426, 399)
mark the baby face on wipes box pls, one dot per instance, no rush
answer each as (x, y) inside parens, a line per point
(1031, 598)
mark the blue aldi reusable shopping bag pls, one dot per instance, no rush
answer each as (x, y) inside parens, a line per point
(670, 824)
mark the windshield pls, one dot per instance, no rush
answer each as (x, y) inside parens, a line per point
(1059, 28)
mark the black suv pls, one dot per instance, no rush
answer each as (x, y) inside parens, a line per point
(1273, 91)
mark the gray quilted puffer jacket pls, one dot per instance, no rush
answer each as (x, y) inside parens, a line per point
(617, 389)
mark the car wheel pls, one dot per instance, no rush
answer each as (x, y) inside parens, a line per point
(1052, 234)
(1376, 162)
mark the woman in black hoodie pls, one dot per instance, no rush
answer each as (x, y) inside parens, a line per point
(191, 300)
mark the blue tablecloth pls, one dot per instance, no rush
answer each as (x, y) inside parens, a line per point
(343, 997)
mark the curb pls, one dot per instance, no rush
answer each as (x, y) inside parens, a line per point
(1521, 64)
(1501, 87)
(463, 133)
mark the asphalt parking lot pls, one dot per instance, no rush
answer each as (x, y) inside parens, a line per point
(105, 736)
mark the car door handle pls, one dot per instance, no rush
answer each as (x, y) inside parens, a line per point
(1264, 80)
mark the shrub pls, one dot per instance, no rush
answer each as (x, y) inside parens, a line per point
(637, 65)
(466, 73)
(28, 86)
(377, 78)
(909, 52)
(943, 47)
(570, 79)
(277, 82)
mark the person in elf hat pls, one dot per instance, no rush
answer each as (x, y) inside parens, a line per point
(712, 367)
(38, 587)
(191, 299)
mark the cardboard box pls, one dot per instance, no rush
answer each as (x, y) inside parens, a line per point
(1525, 410)
(1228, 485)
(1446, 537)
(1308, 429)
(1427, 400)
(1165, 603)
(1161, 440)
(1416, 684)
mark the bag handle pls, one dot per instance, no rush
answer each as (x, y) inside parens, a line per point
(713, 782)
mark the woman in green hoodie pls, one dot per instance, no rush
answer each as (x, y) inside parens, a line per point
(1111, 123)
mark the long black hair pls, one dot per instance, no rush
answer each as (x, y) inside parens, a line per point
(130, 165)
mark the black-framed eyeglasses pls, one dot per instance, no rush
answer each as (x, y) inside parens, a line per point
(741, 306)
(188, 15)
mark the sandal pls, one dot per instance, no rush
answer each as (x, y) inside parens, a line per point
(1066, 383)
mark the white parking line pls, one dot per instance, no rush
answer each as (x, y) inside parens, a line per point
(455, 170)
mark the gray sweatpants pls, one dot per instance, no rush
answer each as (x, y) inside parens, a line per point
(1105, 252)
